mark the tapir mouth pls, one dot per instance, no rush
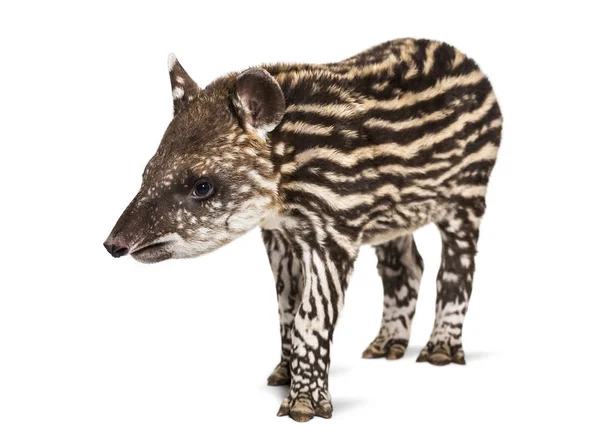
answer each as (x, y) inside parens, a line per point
(152, 252)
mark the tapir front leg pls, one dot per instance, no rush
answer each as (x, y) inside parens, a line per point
(325, 280)
(288, 282)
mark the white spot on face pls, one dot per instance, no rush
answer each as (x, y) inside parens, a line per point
(177, 92)
(248, 215)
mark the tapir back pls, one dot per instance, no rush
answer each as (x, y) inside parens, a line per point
(388, 140)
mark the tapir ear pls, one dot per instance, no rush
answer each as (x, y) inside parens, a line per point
(259, 100)
(183, 87)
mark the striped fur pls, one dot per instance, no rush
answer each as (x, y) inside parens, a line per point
(326, 158)
(376, 146)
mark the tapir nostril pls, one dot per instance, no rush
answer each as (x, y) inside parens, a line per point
(116, 249)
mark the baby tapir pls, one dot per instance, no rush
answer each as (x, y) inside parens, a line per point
(325, 158)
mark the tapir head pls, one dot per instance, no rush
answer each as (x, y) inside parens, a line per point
(212, 178)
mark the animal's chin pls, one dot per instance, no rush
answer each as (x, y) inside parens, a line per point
(152, 253)
(175, 248)
(148, 258)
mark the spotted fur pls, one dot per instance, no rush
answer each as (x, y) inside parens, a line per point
(326, 158)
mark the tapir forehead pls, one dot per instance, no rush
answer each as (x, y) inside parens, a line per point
(204, 125)
(206, 139)
(193, 140)
(222, 162)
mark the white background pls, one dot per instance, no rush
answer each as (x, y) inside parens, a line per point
(98, 349)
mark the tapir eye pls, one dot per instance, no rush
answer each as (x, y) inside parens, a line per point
(203, 189)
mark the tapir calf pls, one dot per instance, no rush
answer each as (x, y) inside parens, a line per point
(325, 158)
